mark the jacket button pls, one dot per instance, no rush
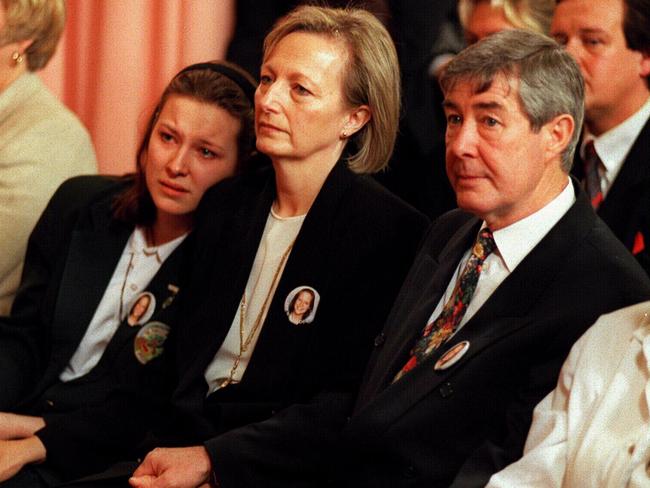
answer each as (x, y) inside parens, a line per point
(446, 390)
(409, 472)
(380, 339)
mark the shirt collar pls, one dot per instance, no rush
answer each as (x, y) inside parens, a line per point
(612, 146)
(515, 241)
(138, 244)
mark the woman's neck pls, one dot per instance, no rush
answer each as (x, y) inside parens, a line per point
(297, 185)
(166, 228)
(12, 75)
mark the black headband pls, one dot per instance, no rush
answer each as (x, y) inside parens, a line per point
(241, 81)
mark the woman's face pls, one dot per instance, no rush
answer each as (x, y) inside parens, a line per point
(140, 307)
(193, 145)
(485, 20)
(303, 303)
(300, 111)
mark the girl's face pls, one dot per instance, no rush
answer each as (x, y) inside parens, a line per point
(193, 145)
(140, 307)
(303, 303)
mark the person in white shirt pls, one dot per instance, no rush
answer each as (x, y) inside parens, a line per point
(593, 430)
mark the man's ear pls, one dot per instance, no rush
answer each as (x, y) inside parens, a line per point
(644, 67)
(559, 131)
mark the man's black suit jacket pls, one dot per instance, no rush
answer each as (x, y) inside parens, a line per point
(626, 208)
(455, 427)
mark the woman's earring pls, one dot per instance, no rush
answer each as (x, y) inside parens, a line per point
(344, 135)
(17, 57)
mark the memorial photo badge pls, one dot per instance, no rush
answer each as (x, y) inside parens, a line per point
(301, 305)
(452, 356)
(149, 342)
(142, 309)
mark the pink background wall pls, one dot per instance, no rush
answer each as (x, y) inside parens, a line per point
(116, 57)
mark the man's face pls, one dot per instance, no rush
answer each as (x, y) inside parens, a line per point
(592, 32)
(498, 167)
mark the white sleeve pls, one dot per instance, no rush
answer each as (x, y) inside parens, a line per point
(545, 454)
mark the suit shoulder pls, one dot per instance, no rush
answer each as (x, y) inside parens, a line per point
(613, 261)
(80, 191)
(373, 198)
(243, 185)
(449, 223)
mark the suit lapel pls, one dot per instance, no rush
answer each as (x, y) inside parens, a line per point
(92, 257)
(164, 286)
(220, 276)
(307, 266)
(635, 172)
(419, 297)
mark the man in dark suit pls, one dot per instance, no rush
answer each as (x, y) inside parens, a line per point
(482, 324)
(610, 40)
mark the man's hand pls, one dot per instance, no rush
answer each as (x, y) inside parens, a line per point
(14, 426)
(185, 467)
(17, 453)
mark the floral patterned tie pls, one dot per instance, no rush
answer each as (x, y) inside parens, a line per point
(441, 329)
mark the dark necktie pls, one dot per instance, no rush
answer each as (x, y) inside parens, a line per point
(592, 178)
(442, 328)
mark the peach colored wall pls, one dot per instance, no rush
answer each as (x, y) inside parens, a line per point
(116, 57)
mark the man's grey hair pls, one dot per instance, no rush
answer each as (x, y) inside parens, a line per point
(550, 83)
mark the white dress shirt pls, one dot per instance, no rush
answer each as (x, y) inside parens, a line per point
(613, 146)
(135, 269)
(513, 245)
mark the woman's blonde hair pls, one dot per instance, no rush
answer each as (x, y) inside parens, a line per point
(372, 76)
(534, 15)
(42, 21)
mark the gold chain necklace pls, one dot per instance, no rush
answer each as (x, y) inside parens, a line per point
(245, 343)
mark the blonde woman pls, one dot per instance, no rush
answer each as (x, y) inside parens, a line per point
(42, 143)
(326, 114)
(480, 18)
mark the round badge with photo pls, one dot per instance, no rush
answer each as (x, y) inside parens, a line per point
(301, 305)
(142, 309)
(452, 356)
(149, 341)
